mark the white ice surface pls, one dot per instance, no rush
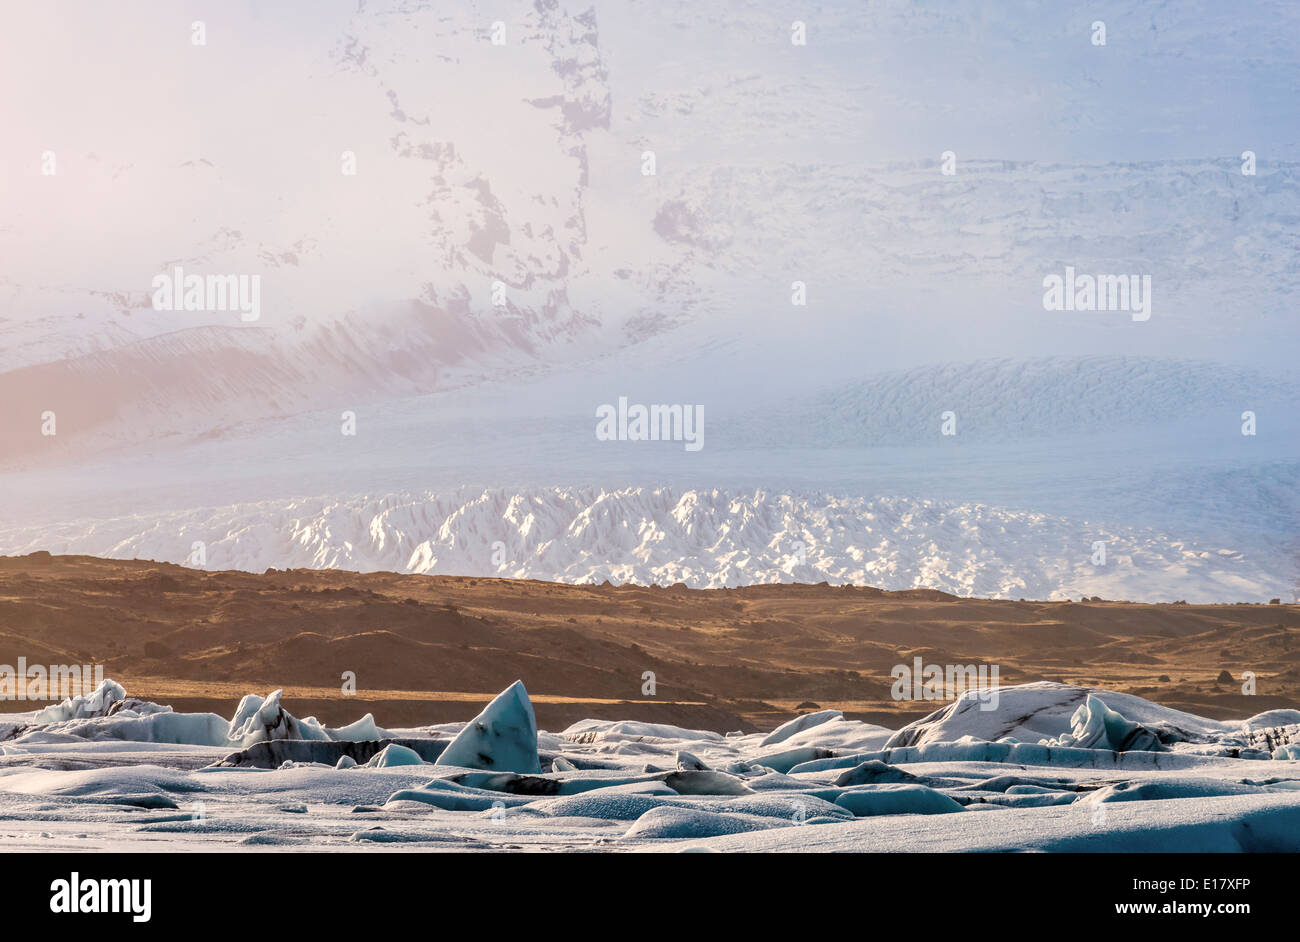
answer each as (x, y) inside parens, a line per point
(1206, 786)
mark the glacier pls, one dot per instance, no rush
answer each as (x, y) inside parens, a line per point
(701, 538)
(502, 738)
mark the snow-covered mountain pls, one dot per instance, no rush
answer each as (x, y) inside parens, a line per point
(705, 539)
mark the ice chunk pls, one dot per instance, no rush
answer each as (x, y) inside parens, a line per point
(273, 753)
(633, 730)
(706, 782)
(108, 714)
(392, 755)
(265, 838)
(359, 731)
(688, 762)
(503, 738)
(785, 761)
(796, 808)
(1013, 799)
(96, 703)
(799, 724)
(258, 720)
(770, 781)
(1096, 726)
(896, 799)
(872, 772)
(102, 782)
(468, 800)
(1175, 787)
(1009, 783)
(514, 784)
(1272, 718)
(1046, 711)
(841, 735)
(606, 803)
(196, 729)
(667, 823)
(837, 762)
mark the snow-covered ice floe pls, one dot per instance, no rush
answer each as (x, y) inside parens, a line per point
(1051, 767)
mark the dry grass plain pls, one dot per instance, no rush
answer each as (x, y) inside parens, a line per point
(434, 649)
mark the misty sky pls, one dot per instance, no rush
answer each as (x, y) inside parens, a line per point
(132, 110)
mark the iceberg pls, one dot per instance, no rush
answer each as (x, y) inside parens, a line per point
(362, 730)
(872, 772)
(1096, 726)
(689, 762)
(162, 726)
(1047, 711)
(1165, 789)
(394, 754)
(257, 720)
(896, 799)
(787, 760)
(706, 782)
(503, 738)
(97, 703)
(799, 724)
(667, 823)
(272, 754)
